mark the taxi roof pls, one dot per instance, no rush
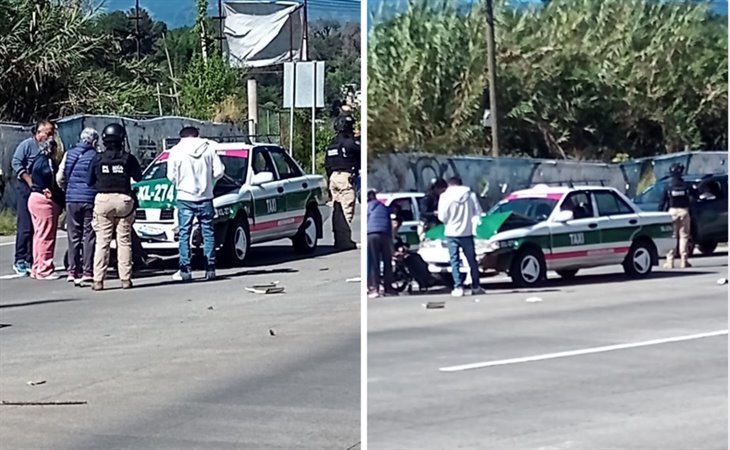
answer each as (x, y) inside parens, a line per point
(232, 149)
(553, 192)
(393, 195)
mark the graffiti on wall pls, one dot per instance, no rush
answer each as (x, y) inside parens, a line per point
(491, 178)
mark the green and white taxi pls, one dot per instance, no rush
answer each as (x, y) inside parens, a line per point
(561, 229)
(263, 196)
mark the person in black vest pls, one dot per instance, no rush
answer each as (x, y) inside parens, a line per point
(73, 178)
(342, 163)
(676, 200)
(111, 174)
(428, 206)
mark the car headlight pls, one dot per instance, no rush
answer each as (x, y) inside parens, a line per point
(494, 245)
(488, 247)
(432, 244)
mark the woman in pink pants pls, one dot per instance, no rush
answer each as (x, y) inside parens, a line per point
(45, 205)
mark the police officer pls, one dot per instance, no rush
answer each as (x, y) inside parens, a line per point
(111, 173)
(428, 206)
(676, 200)
(342, 165)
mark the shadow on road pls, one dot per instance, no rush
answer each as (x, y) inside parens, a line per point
(272, 255)
(169, 282)
(608, 278)
(39, 302)
(559, 284)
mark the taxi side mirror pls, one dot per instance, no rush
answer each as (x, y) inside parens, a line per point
(262, 178)
(564, 216)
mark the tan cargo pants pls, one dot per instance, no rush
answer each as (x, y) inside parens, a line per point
(113, 212)
(343, 208)
(681, 227)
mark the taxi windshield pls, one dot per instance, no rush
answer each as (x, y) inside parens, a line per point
(235, 169)
(534, 208)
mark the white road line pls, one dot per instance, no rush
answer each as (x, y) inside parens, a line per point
(12, 277)
(3, 244)
(584, 351)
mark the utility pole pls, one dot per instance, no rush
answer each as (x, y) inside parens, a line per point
(305, 36)
(136, 26)
(491, 67)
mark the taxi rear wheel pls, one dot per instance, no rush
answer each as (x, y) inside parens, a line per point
(528, 268)
(640, 259)
(306, 239)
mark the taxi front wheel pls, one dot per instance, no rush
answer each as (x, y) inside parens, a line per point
(528, 268)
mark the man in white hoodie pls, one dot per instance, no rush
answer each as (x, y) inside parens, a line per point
(459, 211)
(194, 167)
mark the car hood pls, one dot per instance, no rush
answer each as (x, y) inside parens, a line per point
(489, 225)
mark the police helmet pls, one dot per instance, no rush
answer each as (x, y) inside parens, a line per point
(114, 133)
(676, 169)
(345, 123)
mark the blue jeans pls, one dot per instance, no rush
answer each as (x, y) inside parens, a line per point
(467, 245)
(24, 235)
(204, 212)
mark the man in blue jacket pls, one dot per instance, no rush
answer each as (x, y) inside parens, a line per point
(73, 177)
(380, 247)
(26, 152)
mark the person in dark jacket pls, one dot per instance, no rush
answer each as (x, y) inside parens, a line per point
(676, 201)
(380, 247)
(44, 204)
(73, 177)
(21, 163)
(428, 206)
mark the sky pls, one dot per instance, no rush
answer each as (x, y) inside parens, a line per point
(177, 13)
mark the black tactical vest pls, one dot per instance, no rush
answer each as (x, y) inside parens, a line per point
(342, 155)
(111, 174)
(678, 193)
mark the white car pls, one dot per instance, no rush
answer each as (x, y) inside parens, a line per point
(407, 205)
(263, 196)
(562, 229)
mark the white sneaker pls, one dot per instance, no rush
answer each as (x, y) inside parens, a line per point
(457, 292)
(178, 276)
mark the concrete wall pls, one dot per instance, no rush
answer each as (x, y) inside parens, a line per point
(490, 177)
(144, 138)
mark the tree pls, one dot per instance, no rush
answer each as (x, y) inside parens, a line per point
(576, 78)
(50, 64)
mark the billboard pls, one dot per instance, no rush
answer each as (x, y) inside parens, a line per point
(261, 34)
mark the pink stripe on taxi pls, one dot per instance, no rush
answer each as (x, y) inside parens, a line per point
(586, 253)
(235, 153)
(261, 226)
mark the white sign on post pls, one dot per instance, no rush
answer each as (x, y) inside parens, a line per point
(307, 95)
(304, 88)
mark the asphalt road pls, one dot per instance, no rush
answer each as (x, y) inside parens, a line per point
(169, 366)
(659, 395)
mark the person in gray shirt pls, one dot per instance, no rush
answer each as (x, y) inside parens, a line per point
(22, 161)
